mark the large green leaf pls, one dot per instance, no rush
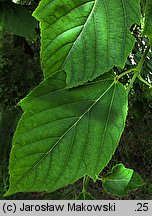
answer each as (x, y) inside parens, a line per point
(85, 38)
(121, 180)
(148, 20)
(65, 134)
(16, 19)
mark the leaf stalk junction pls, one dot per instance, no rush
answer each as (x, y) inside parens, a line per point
(137, 72)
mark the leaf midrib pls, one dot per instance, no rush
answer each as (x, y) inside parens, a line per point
(79, 35)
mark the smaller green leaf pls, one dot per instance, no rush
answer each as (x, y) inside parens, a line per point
(135, 182)
(16, 19)
(148, 21)
(121, 180)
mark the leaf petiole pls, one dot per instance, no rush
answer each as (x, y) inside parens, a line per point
(100, 179)
(85, 183)
(138, 69)
(127, 72)
(132, 81)
(144, 81)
